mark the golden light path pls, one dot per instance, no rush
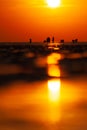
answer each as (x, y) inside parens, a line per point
(54, 86)
(54, 90)
(54, 71)
(53, 3)
(53, 68)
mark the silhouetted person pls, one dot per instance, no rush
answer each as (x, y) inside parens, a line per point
(48, 39)
(52, 39)
(76, 40)
(44, 41)
(62, 41)
(30, 40)
(73, 41)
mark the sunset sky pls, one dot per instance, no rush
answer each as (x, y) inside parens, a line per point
(24, 19)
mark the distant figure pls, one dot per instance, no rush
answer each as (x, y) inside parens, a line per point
(44, 41)
(48, 40)
(52, 39)
(62, 41)
(30, 40)
(75, 41)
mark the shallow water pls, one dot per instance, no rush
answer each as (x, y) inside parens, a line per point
(50, 93)
(49, 104)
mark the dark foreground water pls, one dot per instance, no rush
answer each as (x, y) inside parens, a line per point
(44, 92)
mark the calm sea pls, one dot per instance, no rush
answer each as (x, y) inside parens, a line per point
(41, 91)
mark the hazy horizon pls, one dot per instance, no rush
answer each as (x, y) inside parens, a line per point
(22, 19)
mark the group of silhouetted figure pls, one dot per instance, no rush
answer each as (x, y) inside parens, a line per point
(48, 40)
(75, 41)
(51, 40)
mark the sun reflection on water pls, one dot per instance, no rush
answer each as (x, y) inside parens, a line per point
(53, 58)
(53, 71)
(54, 86)
(53, 68)
(54, 90)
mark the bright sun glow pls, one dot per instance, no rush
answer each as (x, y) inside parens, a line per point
(54, 90)
(53, 3)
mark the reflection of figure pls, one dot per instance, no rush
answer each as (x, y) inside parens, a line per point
(48, 39)
(52, 39)
(30, 40)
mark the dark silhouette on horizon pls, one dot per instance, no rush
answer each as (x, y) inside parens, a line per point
(75, 41)
(44, 41)
(48, 40)
(30, 40)
(52, 39)
(62, 41)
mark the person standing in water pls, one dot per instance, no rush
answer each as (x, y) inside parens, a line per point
(52, 39)
(30, 40)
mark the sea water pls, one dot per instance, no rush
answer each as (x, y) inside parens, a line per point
(43, 91)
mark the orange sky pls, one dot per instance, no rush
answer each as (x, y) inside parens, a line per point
(22, 19)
